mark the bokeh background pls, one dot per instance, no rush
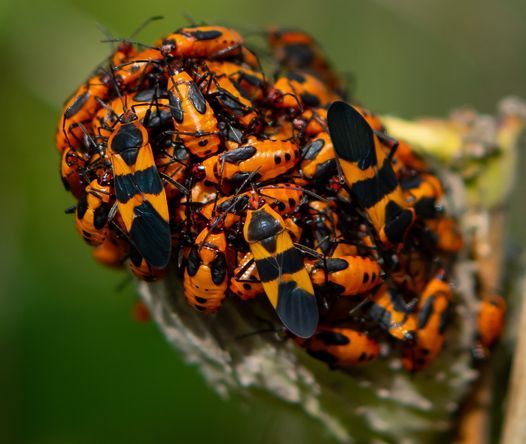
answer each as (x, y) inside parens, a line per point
(74, 366)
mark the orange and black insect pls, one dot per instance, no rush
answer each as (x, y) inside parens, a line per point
(446, 233)
(312, 122)
(135, 70)
(345, 275)
(490, 320)
(433, 314)
(142, 269)
(392, 314)
(139, 191)
(72, 168)
(265, 159)
(194, 119)
(318, 159)
(112, 252)
(298, 90)
(249, 83)
(206, 274)
(296, 50)
(213, 42)
(369, 174)
(422, 192)
(340, 346)
(229, 97)
(93, 209)
(284, 198)
(281, 270)
(79, 110)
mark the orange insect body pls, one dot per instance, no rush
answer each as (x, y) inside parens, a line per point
(112, 252)
(249, 83)
(123, 52)
(205, 275)
(201, 42)
(135, 69)
(269, 158)
(194, 119)
(298, 89)
(80, 110)
(144, 271)
(447, 233)
(340, 346)
(283, 198)
(91, 215)
(433, 318)
(140, 312)
(422, 192)
(318, 158)
(227, 95)
(346, 275)
(140, 194)
(245, 283)
(389, 310)
(297, 50)
(72, 166)
(490, 320)
(312, 121)
(369, 174)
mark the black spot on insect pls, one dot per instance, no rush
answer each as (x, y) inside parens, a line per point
(332, 338)
(77, 105)
(292, 202)
(176, 107)
(295, 76)
(239, 154)
(365, 278)
(281, 206)
(200, 300)
(324, 356)
(326, 169)
(100, 217)
(362, 357)
(311, 150)
(218, 268)
(193, 263)
(247, 286)
(334, 264)
(145, 95)
(310, 99)
(203, 142)
(82, 207)
(277, 159)
(287, 157)
(262, 226)
(196, 98)
(206, 35)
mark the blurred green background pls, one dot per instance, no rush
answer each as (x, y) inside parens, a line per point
(75, 367)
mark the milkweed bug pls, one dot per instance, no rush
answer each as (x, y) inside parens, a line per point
(206, 274)
(340, 346)
(368, 173)
(282, 272)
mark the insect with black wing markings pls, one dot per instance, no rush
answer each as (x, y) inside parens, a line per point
(368, 173)
(282, 271)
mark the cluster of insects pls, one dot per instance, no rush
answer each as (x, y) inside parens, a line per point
(185, 154)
